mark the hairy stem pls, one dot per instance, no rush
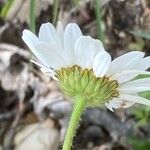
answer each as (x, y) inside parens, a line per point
(78, 109)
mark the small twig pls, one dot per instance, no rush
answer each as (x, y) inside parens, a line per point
(3, 28)
(10, 134)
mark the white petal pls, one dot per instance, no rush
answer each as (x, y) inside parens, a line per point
(37, 63)
(101, 63)
(60, 28)
(48, 56)
(144, 64)
(109, 106)
(128, 75)
(49, 72)
(42, 66)
(139, 82)
(98, 46)
(47, 33)
(127, 104)
(30, 39)
(71, 34)
(60, 31)
(135, 99)
(134, 89)
(143, 81)
(125, 62)
(117, 103)
(84, 51)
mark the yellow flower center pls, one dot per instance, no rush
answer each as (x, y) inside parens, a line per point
(76, 81)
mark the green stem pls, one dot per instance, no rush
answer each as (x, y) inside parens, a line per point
(55, 11)
(78, 109)
(75, 2)
(98, 13)
(32, 16)
(32, 23)
(5, 9)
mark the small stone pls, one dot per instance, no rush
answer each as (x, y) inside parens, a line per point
(39, 136)
(1, 147)
(95, 134)
(108, 120)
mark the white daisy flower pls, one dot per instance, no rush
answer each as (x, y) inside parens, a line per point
(83, 67)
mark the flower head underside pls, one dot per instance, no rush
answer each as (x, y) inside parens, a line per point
(82, 66)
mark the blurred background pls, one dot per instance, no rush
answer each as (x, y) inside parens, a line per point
(34, 114)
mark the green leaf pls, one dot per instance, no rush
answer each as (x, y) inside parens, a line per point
(143, 114)
(142, 76)
(139, 144)
(6, 8)
(145, 94)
